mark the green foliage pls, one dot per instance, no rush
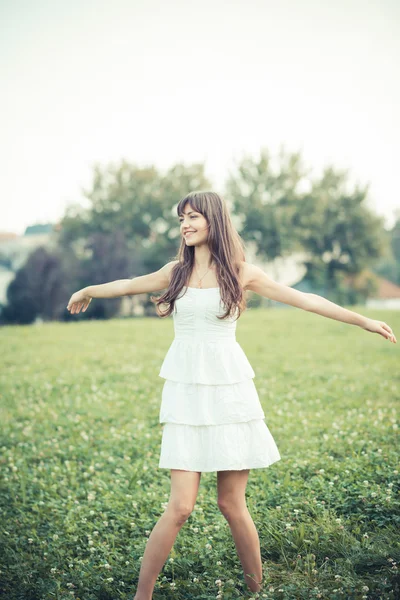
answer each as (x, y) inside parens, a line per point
(38, 289)
(283, 209)
(81, 489)
(265, 197)
(337, 229)
(137, 202)
(389, 265)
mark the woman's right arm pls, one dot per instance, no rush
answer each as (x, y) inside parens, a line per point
(153, 282)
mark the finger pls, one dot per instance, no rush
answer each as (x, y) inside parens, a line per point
(385, 326)
(383, 332)
(392, 337)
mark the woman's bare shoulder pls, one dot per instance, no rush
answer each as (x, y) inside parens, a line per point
(169, 266)
(246, 273)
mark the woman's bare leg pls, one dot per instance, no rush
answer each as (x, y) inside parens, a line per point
(184, 488)
(232, 504)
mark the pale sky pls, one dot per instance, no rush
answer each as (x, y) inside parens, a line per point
(161, 81)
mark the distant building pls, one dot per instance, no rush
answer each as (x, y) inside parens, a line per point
(387, 296)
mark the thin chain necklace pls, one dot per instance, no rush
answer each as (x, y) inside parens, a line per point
(200, 279)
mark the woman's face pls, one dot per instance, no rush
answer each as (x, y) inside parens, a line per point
(194, 226)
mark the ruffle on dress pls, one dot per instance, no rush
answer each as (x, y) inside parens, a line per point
(206, 361)
(199, 404)
(234, 446)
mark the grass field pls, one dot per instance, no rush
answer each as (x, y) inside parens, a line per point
(80, 484)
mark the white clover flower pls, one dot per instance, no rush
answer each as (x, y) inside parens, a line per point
(110, 579)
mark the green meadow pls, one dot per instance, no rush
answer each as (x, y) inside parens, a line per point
(81, 489)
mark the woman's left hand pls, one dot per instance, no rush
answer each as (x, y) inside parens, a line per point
(380, 327)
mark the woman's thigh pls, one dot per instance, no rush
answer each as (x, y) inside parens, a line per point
(184, 488)
(231, 486)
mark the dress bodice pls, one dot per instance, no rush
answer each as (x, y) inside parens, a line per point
(204, 349)
(196, 316)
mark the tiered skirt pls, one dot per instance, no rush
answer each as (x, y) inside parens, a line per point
(214, 426)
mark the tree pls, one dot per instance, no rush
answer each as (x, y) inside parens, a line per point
(265, 198)
(339, 232)
(389, 265)
(105, 258)
(37, 290)
(283, 210)
(137, 202)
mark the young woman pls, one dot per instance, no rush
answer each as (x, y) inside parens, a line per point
(213, 419)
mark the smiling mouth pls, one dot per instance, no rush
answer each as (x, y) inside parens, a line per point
(189, 233)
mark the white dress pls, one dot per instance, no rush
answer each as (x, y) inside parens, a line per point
(213, 419)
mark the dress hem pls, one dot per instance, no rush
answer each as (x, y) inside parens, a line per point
(222, 468)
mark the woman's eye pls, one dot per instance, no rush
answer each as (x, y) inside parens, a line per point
(194, 217)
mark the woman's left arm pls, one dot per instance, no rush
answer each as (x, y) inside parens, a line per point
(258, 281)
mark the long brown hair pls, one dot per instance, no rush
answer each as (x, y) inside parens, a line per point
(226, 248)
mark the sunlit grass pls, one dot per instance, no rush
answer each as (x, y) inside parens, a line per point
(81, 489)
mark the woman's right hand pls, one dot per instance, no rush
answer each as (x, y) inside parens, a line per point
(79, 300)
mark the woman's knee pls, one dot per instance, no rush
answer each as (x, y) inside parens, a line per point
(231, 507)
(184, 488)
(180, 511)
